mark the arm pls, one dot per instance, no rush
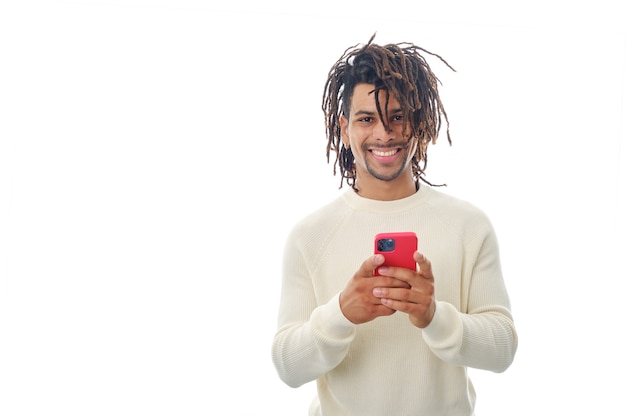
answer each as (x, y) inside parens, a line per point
(484, 337)
(303, 351)
(313, 339)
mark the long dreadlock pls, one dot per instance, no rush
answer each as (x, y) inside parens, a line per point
(403, 72)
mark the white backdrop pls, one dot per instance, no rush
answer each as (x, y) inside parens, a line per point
(154, 154)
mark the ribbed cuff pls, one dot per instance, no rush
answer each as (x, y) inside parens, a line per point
(446, 329)
(331, 321)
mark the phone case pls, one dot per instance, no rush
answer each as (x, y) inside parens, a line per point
(400, 252)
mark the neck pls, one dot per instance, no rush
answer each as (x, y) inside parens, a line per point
(388, 190)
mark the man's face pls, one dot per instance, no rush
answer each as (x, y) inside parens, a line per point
(379, 154)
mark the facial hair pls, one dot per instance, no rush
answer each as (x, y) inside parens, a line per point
(392, 175)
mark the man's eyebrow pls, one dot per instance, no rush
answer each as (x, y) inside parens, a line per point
(392, 112)
(367, 113)
(364, 113)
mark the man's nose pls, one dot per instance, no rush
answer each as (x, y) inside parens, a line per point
(382, 133)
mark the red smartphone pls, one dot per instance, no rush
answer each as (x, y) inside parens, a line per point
(398, 249)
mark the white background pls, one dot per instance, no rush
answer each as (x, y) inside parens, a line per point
(154, 154)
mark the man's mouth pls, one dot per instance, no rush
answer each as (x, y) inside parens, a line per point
(385, 153)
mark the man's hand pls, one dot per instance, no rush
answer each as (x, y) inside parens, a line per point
(418, 300)
(358, 302)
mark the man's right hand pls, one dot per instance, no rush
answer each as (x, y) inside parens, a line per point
(357, 301)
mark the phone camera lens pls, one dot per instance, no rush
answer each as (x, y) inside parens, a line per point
(386, 244)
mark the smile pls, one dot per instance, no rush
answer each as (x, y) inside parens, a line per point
(386, 153)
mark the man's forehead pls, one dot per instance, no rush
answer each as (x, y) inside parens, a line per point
(365, 95)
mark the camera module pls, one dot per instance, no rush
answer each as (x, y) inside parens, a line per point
(386, 244)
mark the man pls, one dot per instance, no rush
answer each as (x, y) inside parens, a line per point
(399, 343)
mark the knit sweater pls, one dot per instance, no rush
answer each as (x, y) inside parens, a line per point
(388, 366)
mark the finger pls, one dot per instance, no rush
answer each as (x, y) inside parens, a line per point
(424, 266)
(387, 281)
(422, 295)
(398, 273)
(369, 266)
(420, 314)
(396, 294)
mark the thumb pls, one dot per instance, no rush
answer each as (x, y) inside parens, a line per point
(375, 261)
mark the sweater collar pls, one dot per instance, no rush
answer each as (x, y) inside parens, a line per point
(358, 202)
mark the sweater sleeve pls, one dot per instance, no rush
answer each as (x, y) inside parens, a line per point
(311, 339)
(483, 334)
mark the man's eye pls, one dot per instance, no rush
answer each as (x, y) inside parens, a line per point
(397, 118)
(366, 119)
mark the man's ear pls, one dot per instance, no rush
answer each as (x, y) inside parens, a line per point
(345, 139)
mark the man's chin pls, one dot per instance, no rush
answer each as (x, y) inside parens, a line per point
(385, 178)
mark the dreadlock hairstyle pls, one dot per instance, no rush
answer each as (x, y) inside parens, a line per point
(403, 72)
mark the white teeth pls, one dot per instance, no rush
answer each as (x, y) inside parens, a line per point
(387, 153)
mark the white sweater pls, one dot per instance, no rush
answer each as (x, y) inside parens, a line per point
(388, 366)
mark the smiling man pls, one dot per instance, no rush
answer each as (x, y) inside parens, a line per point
(381, 149)
(398, 343)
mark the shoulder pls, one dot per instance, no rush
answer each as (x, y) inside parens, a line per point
(445, 201)
(455, 212)
(321, 221)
